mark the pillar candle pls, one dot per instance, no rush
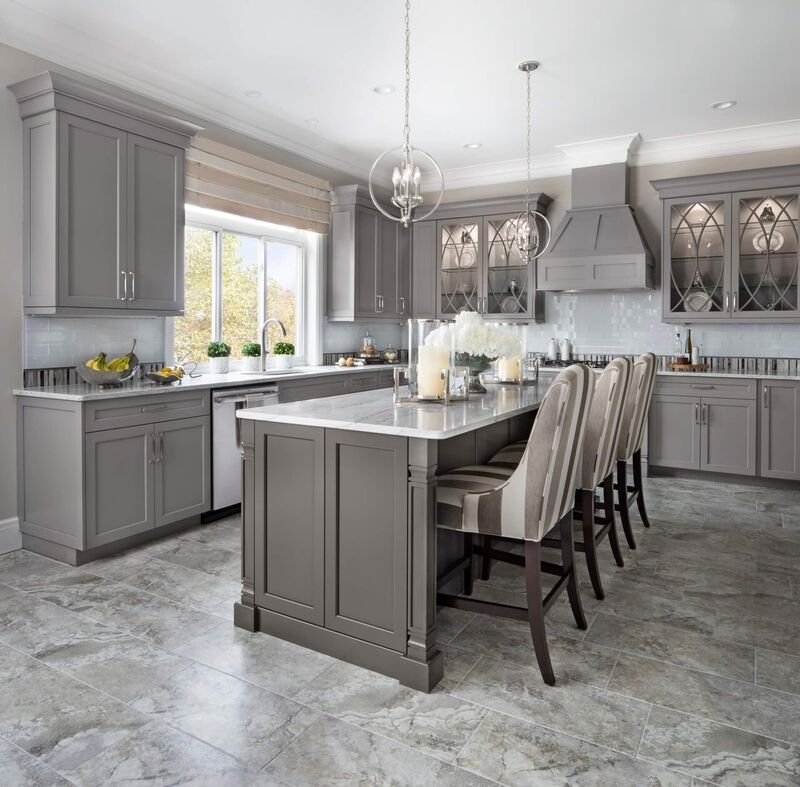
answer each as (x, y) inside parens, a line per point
(430, 363)
(509, 369)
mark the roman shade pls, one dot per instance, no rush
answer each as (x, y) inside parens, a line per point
(223, 178)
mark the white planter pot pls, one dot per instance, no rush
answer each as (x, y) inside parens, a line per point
(219, 365)
(282, 361)
(250, 364)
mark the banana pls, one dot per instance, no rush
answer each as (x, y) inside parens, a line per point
(123, 362)
(98, 363)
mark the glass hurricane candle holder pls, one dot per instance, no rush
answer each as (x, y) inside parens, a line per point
(510, 369)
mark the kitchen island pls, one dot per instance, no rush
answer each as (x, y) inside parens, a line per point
(338, 518)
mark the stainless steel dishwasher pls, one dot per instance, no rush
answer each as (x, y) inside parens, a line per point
(226, 461)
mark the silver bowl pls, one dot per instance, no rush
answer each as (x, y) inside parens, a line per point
(162, 379)
(108, 379)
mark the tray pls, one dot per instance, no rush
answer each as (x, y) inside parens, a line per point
(687, 367)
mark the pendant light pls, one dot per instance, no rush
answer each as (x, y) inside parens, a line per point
(406, 175)
(533, 228)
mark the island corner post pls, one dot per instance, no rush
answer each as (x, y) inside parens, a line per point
(339, 537)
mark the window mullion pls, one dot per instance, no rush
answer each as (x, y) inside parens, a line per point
(216, 288)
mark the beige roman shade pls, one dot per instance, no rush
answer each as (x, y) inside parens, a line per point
(223, 178)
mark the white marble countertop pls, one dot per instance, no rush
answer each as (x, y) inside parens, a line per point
(83, 393)
(374, 411)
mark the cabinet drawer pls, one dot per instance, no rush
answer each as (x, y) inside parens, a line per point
(363, 381)
(114, 413)
(386, 378)
(300, 390)
(718, 387)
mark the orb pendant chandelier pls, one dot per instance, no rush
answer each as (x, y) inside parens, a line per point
(411, 163)
(533, 228)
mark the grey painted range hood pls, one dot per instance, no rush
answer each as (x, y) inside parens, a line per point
(598, 245)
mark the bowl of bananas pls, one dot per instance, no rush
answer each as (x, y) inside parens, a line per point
(167, 375)
(105, 373)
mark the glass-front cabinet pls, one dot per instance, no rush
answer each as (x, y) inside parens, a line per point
(731, 254)
(509, 280)
(460, 266)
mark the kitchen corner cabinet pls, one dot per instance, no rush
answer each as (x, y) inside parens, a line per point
(779, 413)
(467, 258)
(730, 246)
(369, 261)
(96, 475)
(103, 201)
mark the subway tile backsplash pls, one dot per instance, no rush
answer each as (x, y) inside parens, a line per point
(65, 341)
(630, 322)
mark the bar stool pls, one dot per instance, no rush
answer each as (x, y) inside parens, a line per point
(524, 504)
(629, 447)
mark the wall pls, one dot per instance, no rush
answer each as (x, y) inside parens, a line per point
(631, 322)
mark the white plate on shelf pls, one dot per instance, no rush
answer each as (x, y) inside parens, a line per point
(467, 258)
(775, 241)
(698, 301)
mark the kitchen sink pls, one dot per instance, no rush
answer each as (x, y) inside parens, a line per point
(274, 371)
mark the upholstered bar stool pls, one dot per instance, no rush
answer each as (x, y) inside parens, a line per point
(524, 504)
(629, 447)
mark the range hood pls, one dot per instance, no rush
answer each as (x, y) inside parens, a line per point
(598, 245)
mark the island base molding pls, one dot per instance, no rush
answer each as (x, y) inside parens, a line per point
(419, 675)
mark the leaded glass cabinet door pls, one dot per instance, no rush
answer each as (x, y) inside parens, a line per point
(765, 262)
(696, 258)
(459, 266)
(509, 286)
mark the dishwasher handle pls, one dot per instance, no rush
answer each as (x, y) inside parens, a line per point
(245, 395)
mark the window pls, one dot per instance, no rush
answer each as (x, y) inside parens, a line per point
(238, 273)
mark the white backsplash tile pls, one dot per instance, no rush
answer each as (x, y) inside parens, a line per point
(630, 322)
(346, 336)
(65, 341)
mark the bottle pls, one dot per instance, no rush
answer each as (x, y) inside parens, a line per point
(566, 350)
(687, 350)
(552, 349)
(677, 347)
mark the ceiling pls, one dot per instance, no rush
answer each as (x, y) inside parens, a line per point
(609, 68)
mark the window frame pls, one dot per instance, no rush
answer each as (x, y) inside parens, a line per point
(308, 318)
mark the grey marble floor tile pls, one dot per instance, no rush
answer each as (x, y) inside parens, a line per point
(744, 705)
(200, 557)
(449, 622)
(61, 720)
(250, 723)
(159, 756)
(778, 670)
(118, 566)
(334, 754)
(722, 755)
(457, 663)
(520, 754)
(179, 584)
(511, 641)
(226, 534)
(269, 662)
(114, 662)
(569, 707)
(18, 768)
(14, 664)
(25, 570)
(684, 648)
(437, 724)
(760, 620)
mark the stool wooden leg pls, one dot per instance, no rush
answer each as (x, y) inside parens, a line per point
(589, 544)
(468, 568)
(622, 502)
(568, 562)
(486, 561)
(533, 585)
(637, 483)
(608, 511)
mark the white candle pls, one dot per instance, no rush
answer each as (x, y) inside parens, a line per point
(430, 363)
(509, 368)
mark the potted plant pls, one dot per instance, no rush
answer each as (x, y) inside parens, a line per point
(251, 355)
(219, 353)
(283, 353)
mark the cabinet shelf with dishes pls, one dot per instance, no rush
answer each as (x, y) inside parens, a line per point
(730, 246)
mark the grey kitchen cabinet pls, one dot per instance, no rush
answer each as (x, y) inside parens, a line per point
(728, 437)
(335, 384)
(674, 432)
(368, 266)
(103, 200)
(469, 258)
(780, 429)
(730, 246)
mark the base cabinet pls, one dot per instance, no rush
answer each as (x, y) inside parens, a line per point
(779, 413)
(674, 436)
(728, 436)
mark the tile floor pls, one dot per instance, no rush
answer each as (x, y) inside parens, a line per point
(129, 670)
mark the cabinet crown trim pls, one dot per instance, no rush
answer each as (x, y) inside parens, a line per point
(724, 182)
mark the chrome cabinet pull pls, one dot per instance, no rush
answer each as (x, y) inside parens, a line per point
(133, 285)
(705, 414)
(160, 448)
(697, 413)
(124, 285)
(155, 408)
(735, 300)
(402, 305)
(703, 387)
(152, 449)
(727, 300)
(766, 397)
(377, 303)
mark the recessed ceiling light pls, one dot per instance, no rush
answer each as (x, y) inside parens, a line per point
(473, 145)
(723, 104)
(253, 93)
(312, 121)
(383, 90)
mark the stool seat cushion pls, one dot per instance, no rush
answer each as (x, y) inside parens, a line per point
(511, 455)
(451, 489)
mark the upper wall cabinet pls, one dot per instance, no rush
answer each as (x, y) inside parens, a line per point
(730, 246)
(103, 201)
(467, 258)
(369, 266)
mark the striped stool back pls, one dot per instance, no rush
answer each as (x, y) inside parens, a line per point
(604, 423)
(637, 406)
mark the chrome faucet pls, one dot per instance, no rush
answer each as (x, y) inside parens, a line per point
(263, 332)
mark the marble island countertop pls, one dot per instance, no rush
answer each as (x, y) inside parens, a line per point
(553, 371)
(375, 411)
(142, 387)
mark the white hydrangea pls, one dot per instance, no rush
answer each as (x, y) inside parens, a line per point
(472, 335)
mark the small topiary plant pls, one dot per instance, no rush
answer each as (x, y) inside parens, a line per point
(283, 348)
(218, 350)
(251, 350)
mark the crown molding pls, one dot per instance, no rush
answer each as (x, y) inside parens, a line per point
(609, 150)
(511, 171)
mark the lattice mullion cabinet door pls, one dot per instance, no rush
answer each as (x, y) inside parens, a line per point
(765, 270)
(696, 258)
(459, 264)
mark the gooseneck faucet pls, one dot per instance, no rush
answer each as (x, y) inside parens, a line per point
(263, 332)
